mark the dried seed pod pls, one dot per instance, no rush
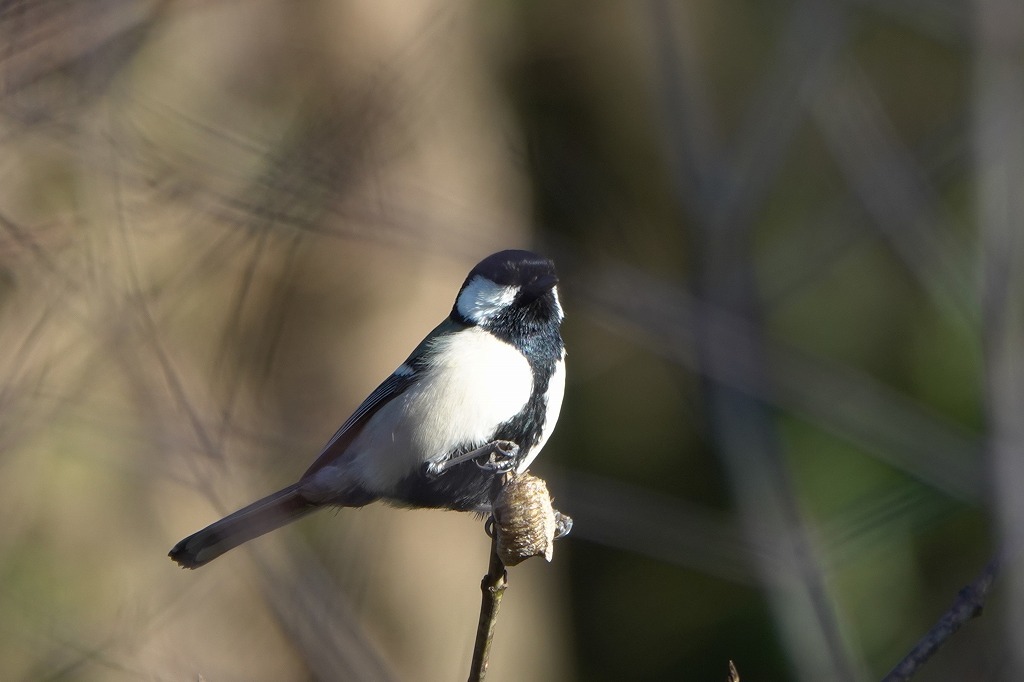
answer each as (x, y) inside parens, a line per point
(524, 519)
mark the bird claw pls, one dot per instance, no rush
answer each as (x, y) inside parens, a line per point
(563, 524)
(498, 457)
(503, 458)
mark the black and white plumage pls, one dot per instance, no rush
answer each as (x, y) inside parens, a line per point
(494, 370)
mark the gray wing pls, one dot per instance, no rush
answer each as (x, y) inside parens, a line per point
(392, 387)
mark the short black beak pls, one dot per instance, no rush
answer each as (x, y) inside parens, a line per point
(542, 285)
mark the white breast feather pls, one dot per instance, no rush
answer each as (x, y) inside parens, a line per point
(474, 384)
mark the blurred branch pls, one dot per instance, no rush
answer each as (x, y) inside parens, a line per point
(723, 197)
(999, 160)
(894, 190)
(660, 526)
(83, 44)
(944, 20)
(889, 425)
(319, 622)
(967, 605)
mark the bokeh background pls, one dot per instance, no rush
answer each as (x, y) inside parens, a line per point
(789, 239)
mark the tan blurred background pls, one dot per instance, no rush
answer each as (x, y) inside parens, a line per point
(789, 238)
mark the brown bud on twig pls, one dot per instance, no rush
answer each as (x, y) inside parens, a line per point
(525, 523)
(522, 524)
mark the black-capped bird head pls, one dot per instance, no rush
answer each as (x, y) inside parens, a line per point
(511, 294)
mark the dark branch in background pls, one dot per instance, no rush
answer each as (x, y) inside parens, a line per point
(967, 605)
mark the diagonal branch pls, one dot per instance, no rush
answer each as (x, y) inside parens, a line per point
(967, 605)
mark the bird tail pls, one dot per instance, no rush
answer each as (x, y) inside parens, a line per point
(260, 517)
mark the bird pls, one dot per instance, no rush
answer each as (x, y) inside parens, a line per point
(478, 398)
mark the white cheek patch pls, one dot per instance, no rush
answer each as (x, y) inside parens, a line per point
(482, 299)
(558, 304)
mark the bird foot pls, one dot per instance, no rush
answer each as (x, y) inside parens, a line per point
(497, 457)
(503, 458)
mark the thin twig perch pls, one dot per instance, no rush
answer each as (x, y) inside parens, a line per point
(492, 587)
(522, 525)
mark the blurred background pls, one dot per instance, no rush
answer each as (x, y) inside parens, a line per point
(788, 234)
